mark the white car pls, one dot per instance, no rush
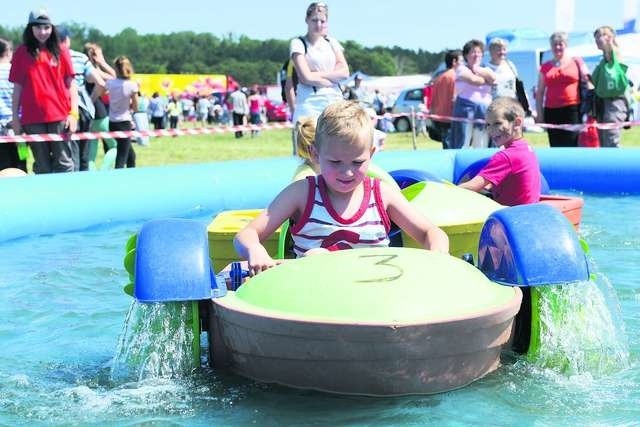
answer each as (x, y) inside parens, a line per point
(407, 100)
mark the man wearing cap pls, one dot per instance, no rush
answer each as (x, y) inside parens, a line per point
(45, 93)
(84, 72)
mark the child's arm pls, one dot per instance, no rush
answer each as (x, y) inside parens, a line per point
(421, 229)
(248, 241)
(477, 184)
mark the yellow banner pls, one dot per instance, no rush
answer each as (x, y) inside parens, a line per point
(192, 84)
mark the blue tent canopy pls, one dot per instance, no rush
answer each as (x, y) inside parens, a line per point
(531, 39)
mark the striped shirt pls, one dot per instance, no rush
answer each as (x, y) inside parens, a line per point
(6, 93)
(320, 226)
(82, 68)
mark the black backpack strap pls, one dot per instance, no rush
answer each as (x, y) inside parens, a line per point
(304, 43)
(303, 39)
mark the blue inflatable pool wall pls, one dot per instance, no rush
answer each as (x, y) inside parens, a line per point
(48, 204)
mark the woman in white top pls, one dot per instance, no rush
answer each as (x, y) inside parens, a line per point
(319, 63)
(505, 70)
(123, 98)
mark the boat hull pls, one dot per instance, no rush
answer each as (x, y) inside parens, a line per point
(571, 207)
(362, 359)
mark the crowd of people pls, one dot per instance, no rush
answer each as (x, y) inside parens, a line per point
(47, 87)
(567, 93)
(337, 199)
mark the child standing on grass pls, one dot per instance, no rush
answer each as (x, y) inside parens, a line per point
(342, 207)
(512, 174)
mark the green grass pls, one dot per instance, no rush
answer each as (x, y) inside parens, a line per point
(277, 143)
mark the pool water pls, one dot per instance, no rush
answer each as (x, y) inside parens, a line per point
(63, 312)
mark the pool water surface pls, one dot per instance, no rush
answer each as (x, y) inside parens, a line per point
(63, 311)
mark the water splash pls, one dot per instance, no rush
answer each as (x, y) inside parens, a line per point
(156, 342)
(580, 329)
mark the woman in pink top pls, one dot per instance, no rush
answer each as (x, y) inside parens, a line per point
(558, 93)
(473, 90)
(255, 108)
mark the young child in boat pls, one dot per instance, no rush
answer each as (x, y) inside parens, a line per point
(305, 138)
(342, 207)
(512, 175)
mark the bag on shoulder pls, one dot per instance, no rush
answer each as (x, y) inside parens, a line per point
(521, 92)
(586, 94)
(588, 137)
(610, 79)
(284, 71)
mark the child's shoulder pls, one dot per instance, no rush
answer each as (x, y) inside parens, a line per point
(301, 184)
(518, 143)
(389, 192)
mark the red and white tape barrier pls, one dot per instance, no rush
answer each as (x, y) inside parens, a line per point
(47, 137)
(277, 125)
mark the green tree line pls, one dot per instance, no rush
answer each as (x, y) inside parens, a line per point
(248, 61)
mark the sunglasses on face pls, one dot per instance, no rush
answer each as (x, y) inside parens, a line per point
(315, 5)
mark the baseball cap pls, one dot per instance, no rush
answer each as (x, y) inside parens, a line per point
(63, 32)
(39, 16)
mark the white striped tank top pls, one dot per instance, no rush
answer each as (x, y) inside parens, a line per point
(320, 226)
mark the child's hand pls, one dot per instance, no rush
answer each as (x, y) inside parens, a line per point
(259, 260)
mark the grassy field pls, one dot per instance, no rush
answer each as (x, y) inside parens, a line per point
(277, 143)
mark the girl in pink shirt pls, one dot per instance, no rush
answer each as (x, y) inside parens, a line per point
(512, 174)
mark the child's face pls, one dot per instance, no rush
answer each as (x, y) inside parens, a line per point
(344, 164)
(604, 39)
(501, 130)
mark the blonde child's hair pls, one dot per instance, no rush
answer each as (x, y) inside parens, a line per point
(507, 108)
(345, 120)
(305, 137)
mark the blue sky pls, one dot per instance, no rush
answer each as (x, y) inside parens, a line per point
(431, 25)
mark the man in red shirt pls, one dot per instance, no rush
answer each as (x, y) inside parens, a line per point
(443, 94)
